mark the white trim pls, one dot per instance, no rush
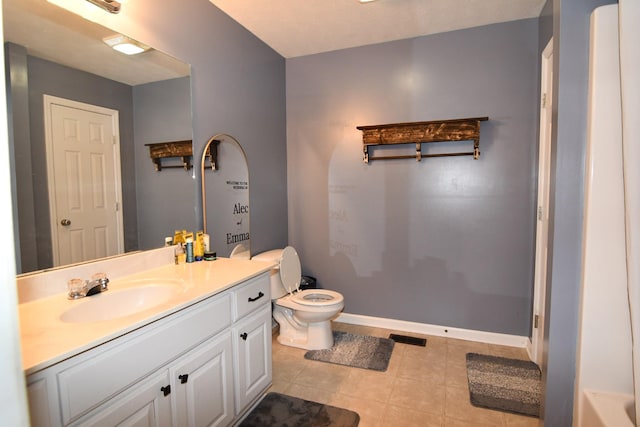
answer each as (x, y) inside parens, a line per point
(439, 331)
(13, 395)
(542, 205)
(529, 349)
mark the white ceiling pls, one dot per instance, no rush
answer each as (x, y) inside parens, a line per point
(52, 33)
(291, 27)
(303, 27)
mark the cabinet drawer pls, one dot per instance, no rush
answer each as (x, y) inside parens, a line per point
(251, 296)
(110, 368)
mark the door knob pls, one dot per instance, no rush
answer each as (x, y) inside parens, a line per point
(65, 222)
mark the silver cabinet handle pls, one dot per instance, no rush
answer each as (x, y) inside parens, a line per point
(65, 222)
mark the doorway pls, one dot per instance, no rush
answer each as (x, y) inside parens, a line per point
(83, 172)
(542, 207)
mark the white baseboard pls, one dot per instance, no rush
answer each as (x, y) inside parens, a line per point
(440, 331)
(530, 350)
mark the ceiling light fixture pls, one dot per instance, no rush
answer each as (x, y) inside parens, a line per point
(89, 9)
(366, 1)
(111, 6)
(125, 44)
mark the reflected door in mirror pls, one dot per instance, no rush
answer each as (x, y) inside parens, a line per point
(84, 180)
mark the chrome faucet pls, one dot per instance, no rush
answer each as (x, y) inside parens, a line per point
(79, 288)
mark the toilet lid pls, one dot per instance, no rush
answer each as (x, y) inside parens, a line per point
(290, 269)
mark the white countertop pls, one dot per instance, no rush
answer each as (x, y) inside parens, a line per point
(46, 339)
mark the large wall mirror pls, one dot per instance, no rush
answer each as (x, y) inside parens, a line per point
(53, 54)
(225, 196)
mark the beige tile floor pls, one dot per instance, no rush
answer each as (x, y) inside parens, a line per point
(423, 386)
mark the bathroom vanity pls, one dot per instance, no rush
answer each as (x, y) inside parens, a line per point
(201, 356)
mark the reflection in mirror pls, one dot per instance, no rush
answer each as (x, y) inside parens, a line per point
(225, 174)
(52, 52)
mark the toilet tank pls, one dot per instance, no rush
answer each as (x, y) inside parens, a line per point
(274, 255)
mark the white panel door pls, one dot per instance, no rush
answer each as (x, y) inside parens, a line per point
(84, 181)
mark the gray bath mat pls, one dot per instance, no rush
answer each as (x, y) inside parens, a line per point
(510, 385)
(279, 410)
(358, 351)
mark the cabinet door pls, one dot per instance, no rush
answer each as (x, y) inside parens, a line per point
(43, 401)
(203, 384)
(145, 404)
(252, 340)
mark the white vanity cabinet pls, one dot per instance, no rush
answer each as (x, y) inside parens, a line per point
(193, 367)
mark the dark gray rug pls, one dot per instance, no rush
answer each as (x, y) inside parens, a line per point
(358, 351)
(279, 410)
(510, 385)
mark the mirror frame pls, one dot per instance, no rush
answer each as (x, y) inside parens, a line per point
(215, 140)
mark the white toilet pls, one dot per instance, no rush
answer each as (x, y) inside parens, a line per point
(304, 316)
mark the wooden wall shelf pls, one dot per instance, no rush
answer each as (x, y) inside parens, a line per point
(422, 132)
(212, 155)
(165, 150)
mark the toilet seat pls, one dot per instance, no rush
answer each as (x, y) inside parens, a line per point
(317, 297)
(298, 302)
(291, 274)
(290, 270)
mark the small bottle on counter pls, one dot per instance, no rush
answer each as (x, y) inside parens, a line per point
(179, 255)
(205, 239)
(189, 246)
(198, 246)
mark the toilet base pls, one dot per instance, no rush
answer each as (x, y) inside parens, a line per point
(308, 336)
(318, 337)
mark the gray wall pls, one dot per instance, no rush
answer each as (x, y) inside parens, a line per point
(24, 222)
(162, 113)
(41, 77)
(445, 241)
(570, 68)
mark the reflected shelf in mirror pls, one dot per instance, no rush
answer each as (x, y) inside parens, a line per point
(168, 150)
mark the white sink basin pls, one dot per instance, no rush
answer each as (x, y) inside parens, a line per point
(113, 304)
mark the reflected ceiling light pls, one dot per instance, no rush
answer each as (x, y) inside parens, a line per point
(89, 9)
(366, 1)
(125, 45)
(109, 5)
